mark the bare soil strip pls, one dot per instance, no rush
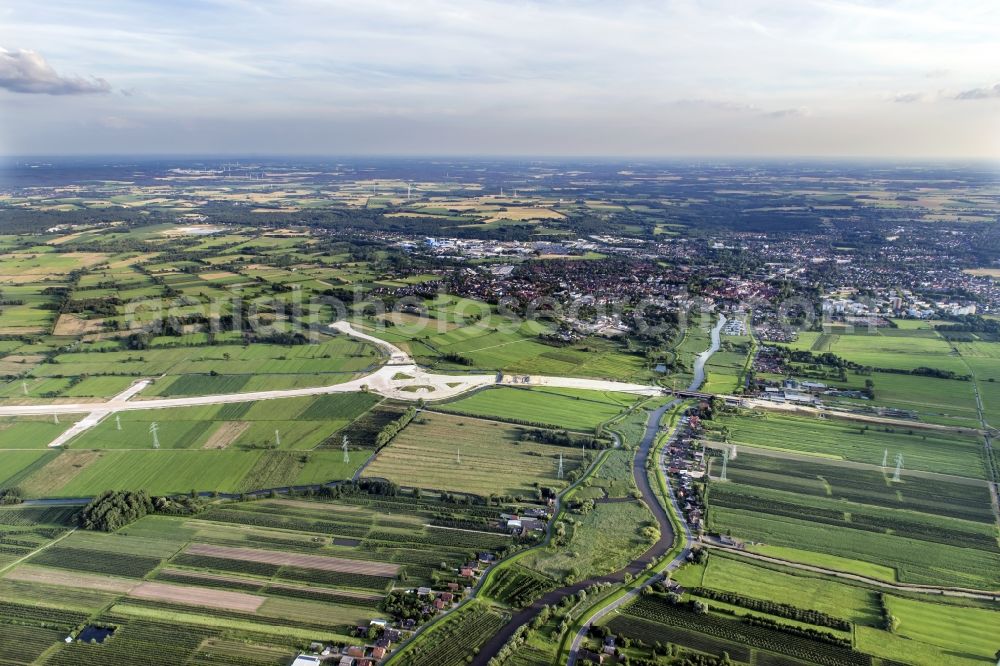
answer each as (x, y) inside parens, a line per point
(319, 562)
(226, 434)
(35, 574)
(201, 575)
(198, 596)
(60, 471)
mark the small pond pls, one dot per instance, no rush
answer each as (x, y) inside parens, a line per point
(95, 633)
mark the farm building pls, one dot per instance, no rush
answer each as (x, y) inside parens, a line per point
(306, 660)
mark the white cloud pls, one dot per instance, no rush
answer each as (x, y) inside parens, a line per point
(979, 93)
(27, 72)
(717, 70)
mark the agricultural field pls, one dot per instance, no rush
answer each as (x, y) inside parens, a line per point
(572, 409)
(338, 355)
(244, 582)
(927, 629)
(726, 369)
(16, 465)
(453, 641)
(983, 360)
(923, 530)
(725, 372)
(493, 457)
(25, 529)
(886, 348)
(230, 448)
(949, 402)
(723, 572)
(32, 432)
(930, 450)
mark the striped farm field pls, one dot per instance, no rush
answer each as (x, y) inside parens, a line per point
(932, 451)
(493, 457)
(322, 563)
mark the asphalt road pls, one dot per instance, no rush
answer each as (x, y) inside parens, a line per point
(401, 379)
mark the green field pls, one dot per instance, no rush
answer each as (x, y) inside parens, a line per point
(14, 465)
(207, 589)
(923, 529)
(600, 540)
(227, 448)
(934, 633)
(302, 423)
(32, 432)
(562, 408)
(729, 573)
(927, 450)
(492, 457)
(340, 354)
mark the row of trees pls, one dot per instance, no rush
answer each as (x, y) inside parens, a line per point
(774, 608)
(563, 438)
(392, 428)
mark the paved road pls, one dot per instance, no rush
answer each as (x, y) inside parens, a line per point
(403, 380)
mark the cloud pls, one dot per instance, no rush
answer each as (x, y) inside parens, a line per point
(980, 93)
(908, 98)
(800, 112)
(26, 71)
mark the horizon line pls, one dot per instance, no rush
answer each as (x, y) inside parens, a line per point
(901, 159)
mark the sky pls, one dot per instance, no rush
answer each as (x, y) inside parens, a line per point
(914, 79)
